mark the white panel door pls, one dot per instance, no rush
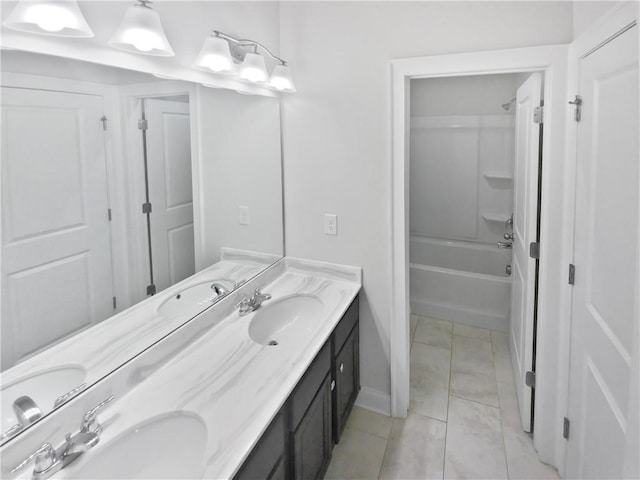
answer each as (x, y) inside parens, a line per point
(604, 324)
(525, 213)
(170, 191)
(56, 247)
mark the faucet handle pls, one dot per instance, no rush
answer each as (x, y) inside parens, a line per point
(258, 293)
(45, 457)
(89, 420)
(243, 303)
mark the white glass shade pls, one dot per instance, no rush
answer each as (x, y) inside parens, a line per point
(141, 32)
(215, 56)
(253, 68)
(281, 79)
(61, 18)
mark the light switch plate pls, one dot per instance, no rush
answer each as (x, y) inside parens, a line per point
(330, 224)
(244, 215)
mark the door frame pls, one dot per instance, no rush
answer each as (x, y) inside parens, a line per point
(131, 97)
(556, 246)
(615, 21)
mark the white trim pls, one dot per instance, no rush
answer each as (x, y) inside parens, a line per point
(552, 60)
(374, 400)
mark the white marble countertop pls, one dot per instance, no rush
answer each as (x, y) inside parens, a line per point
(104, 347)
(236, 386)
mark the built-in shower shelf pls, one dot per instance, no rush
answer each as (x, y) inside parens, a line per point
(498, 176)
(495, 217)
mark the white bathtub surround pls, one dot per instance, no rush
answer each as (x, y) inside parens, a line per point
(233, 384)
(101, 349)
(462, 282)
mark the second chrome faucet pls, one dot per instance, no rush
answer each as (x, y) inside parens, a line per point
(250, 304)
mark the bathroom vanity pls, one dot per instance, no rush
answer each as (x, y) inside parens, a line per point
(299, 440)
(265, 394)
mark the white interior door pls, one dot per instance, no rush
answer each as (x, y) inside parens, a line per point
(170, 191)
(604, 324)
(525, 212)
(56, 247)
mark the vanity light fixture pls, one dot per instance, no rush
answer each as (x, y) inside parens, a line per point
(61, 18)
(141, 32)
(221, 53)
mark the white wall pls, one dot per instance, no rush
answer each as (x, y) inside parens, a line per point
(586, 13)
(337, 127)
(240, 165)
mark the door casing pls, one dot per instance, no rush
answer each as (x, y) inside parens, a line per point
(552, 60)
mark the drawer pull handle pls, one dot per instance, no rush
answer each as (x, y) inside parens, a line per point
(333, 385)
(341, 367)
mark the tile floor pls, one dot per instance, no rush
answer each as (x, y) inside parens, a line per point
(463, 418)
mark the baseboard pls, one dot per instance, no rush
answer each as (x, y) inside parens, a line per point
(374, 400)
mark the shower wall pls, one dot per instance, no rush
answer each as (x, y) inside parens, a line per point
(462, 145)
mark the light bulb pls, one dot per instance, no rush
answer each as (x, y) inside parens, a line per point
(61, 18)
(51, 18)
(217, 63)
(143, 40)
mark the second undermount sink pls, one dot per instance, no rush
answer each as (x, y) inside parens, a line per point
(287, 320)
(168, 446)
(193, 300)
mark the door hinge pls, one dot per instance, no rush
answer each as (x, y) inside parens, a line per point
(143, 124)
(530, 379)
(109, 214)
(538, 114)
(104, 121)
(578, 110)
(566, 425)
(151, 289)
(114, 303)
(534, 250)
(146, 207)
(572, 274)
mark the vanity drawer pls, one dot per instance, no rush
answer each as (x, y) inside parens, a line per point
(346, 324)
(309, 385)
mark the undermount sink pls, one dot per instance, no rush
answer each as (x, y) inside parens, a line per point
(167, 446)
(192, 300)
(287, 320)
(43, 388)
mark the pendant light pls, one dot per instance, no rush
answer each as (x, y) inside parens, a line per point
(61, 18)
(281, 78)
(215, 55)
(141, 32)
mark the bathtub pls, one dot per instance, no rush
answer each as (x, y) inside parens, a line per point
(462, 282)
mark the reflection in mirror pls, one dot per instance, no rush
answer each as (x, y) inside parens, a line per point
(120, 188)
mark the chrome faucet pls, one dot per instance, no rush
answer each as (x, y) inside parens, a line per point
(250, 304)
(49, 460)
(219, 289)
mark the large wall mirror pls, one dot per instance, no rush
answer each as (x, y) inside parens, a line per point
(117, 188)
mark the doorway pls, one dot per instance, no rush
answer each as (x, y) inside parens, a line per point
(552, 62)
(475, 144)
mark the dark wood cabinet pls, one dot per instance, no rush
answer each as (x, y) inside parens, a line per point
(298, 443)
(268, 458)
(312, 439)
(347, 381)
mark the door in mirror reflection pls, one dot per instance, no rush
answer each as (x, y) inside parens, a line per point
(56, 249)
(168, 173)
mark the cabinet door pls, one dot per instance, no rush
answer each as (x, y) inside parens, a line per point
(312, 442)
(267, 459)
(347, 377)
